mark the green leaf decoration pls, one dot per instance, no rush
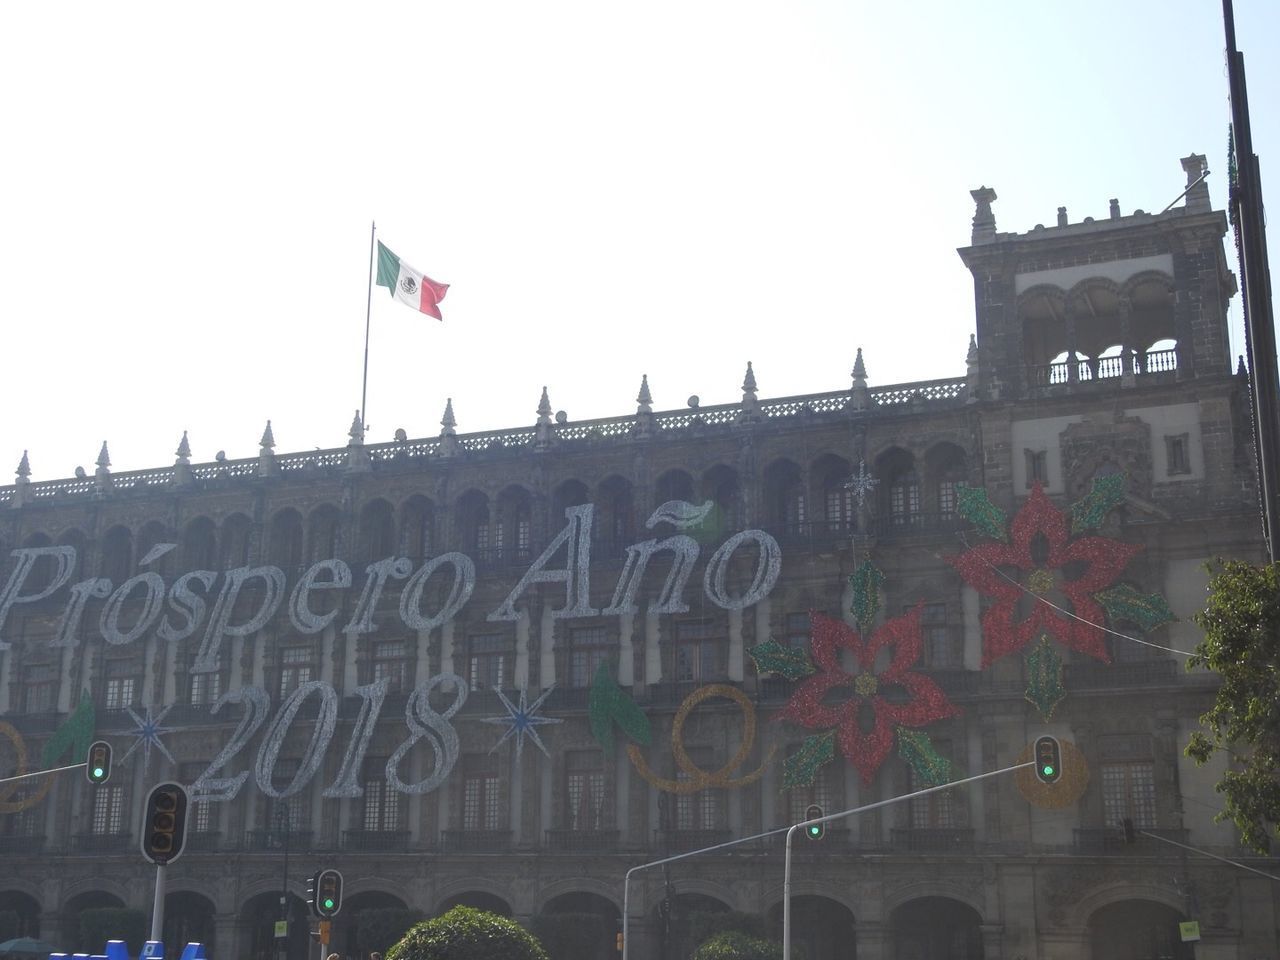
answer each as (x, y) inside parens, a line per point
(1089, 511)
(931, 768)
(74, 736)
(610, 704)
(801, 768)
(1125, 603)
(976, 507)
(773, 657)
(866, 582)
(1044, 678)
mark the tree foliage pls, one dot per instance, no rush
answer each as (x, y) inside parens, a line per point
(1241, 624)
(736, 945)
(468, 934)
(380, 928)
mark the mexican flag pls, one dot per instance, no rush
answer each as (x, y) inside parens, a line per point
(408, 285)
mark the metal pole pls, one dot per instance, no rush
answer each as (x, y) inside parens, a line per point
(368, 308)
(284, 884)
(786, 898)
(157, 908)
(626, 880)
(37, 773)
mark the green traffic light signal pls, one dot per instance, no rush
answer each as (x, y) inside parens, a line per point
(814, 831)
(1048, 754)
(98, 762)
(328, 903)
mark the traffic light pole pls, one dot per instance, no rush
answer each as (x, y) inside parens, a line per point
(41, 773)
(157, 907)
(786, 914)
(791, 832)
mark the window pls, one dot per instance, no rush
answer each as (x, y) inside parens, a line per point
(947, 498)
(1129, 792)
(840, 506)
(206, 687)
(701, 810)
(585, 790)
(381, 802)
(904, 498)
(488, 662)
(797, 627)
(699, 652)
(108, 811)
(1037, 467)
(123, 684)
(200, 818)
(794, 513)
(1178, 454)
(24, 823)
(481, 799)
(934, 811)
(296, 668)
(941, 646)
(822, 792)
(40, 688)
(286, 814)
(388, 659)
(588, 648)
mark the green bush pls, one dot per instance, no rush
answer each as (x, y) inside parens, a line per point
(467, 934)
(705, 924)
(735, 945)
(97, 925)
(379, 929)
(570, 936)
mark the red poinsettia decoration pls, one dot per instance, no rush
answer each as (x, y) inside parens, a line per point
(1102, 558)
(895, 696)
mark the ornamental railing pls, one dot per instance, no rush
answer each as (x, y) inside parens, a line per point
(932, 839)
(582, 841)
(929, 393)
(383, 841)
(1103, 368)
(475, 841)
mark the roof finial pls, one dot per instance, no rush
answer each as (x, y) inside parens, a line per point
(356, 433)
(860, 399)
(268, 440)
(266, 457)
(22, 483)
(102, 476)
(544, 433)
(984, 221)
(448, 421)
(750, 403)
(182, 475)
(644, 398)
(184, 449)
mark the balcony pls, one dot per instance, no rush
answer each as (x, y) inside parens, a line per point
(917, 524)
(475, 841)
(103, 843)
(1109, 841)
(203, 841)
(20, 845)
(1104, 368)
(582, 841)
(387, 841)
(1095, 675)
(258, 841)
(680, 841)
(932, 840)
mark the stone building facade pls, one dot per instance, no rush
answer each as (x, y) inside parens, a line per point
(503, 668)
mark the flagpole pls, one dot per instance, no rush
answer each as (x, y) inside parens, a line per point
(368, 305)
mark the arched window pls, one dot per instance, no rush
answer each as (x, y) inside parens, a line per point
(325, 533)
(199, 551)
(615, 516)
(473, 524)
(514, 534)
(236, 532)
(418, 524)
(673, 485)
(785, 506)
(284, 540)
(117, 555)
(377, 531)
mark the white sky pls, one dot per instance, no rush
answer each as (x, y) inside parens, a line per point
(611, 189)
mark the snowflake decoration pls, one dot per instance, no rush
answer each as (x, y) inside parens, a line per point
(862, 484)
(148, 732)
(522, 721)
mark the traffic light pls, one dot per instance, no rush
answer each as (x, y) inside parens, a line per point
(1048, 757)
(97, 763)
(814, 831)
(165, 823)
(619, 941)
(328, 894)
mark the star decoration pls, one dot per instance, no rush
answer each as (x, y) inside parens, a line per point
(148, 733)
(522, 721)
(861, 483)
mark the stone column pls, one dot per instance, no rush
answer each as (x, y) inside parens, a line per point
(1127, 376)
